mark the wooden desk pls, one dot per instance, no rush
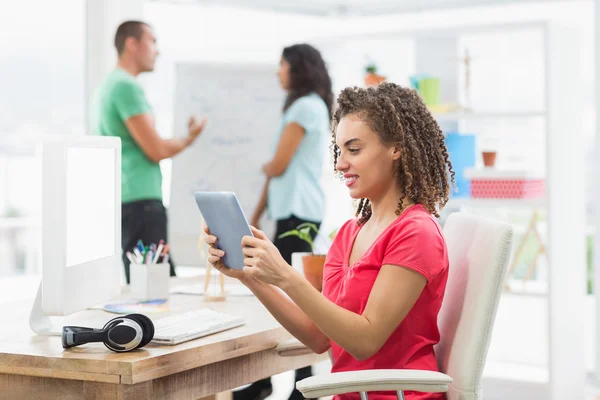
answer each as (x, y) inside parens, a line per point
(37, 367)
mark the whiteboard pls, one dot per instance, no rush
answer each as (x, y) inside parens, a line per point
(243, 105)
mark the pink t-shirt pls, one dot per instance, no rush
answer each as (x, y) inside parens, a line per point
(415, 241)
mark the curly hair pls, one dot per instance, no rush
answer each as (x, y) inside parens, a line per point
(308, 73)
(400, 118)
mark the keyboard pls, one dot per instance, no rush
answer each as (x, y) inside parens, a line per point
(191, 325)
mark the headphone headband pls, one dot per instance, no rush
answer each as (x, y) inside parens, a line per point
(120, 334)
(76, 335)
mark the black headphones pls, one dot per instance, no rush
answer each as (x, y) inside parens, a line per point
(120, 334)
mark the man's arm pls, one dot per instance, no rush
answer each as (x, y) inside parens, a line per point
(142, 129)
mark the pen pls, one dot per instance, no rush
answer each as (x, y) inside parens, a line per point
(165, 254)
(156, 257)
(138, 254)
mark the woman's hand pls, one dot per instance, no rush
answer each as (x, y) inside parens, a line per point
(215, 256)
(263, 261)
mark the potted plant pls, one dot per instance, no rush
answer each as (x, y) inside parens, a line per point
(488, 146)
(372, 78)
(489, 158)
(312, 264)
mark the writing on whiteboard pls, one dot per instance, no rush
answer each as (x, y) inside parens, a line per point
(243, 105)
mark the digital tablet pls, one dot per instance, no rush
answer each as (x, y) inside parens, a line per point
(225, 220)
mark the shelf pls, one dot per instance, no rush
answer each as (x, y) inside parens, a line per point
(496, 203)
(18, 222)
(461, 115)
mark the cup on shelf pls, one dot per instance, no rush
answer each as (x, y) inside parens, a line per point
(149, 281)
(429, 88)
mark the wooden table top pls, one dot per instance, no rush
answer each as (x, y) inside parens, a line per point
(23, 352)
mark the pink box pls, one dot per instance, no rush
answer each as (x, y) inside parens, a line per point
(490, 183)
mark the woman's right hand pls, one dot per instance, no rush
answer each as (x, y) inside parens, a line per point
(216, 255)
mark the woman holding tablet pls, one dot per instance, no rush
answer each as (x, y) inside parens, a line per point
(292, 194)
(386, 271)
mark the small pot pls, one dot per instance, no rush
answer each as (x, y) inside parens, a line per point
(489, 158)
(372, 79)
(313, 269)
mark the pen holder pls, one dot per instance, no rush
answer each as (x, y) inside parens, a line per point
(149, 281)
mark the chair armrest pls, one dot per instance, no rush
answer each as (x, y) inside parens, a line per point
(373, 380)
(292, 347)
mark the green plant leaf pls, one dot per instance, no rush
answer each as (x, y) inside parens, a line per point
(302, 231)
(293, 232)
(310, 225)
(305, 231)
(333, 234)
(371, 69)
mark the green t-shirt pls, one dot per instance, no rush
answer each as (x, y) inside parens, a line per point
(118, 98)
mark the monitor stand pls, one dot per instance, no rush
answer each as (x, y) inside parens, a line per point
(39, 322)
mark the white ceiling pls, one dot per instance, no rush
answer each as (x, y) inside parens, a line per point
(353, 7)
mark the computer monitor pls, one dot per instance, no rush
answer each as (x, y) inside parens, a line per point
(81, 226)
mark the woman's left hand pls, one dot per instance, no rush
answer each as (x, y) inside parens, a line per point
(266, 169)
(262, 259)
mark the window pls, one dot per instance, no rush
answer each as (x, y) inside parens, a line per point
(42, 76)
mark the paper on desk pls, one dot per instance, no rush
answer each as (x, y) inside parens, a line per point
(198, 289)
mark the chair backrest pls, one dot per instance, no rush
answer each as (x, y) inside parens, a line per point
(479, 250)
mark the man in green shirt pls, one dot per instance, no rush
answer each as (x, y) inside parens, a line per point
(121, 109)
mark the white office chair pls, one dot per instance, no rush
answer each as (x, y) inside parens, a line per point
(479, 251)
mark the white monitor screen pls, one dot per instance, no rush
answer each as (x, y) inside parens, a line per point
(90, 204)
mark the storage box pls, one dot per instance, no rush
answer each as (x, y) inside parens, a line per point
(461, 149)
(492, 183)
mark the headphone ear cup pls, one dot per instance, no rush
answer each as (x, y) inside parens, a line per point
(120, 332)
(147, 326)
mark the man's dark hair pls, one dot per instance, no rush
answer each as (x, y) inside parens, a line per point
(128, 29)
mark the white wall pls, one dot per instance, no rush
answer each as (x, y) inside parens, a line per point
(42, 57)
(41, 66)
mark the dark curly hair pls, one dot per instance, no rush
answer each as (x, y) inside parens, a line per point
(308, 73)
(400, 118)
